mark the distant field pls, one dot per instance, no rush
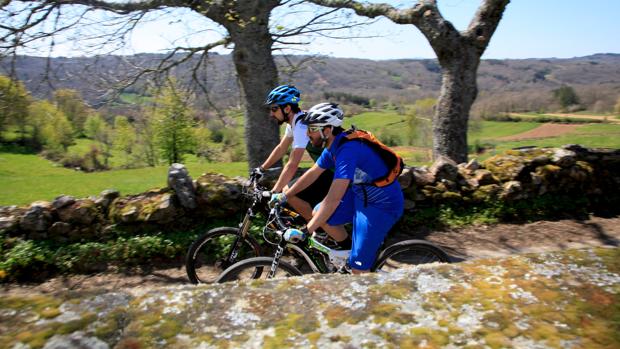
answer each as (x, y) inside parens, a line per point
(26, 177)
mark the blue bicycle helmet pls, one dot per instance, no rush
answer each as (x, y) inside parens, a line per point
(284, 94)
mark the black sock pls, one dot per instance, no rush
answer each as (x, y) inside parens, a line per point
(345, 244)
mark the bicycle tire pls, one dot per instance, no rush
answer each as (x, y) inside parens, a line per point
(409, 252)
(256, 267)
(205, 258)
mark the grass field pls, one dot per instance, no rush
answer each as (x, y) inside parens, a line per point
(27, 177)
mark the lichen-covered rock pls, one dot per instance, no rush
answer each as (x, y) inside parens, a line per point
(444, 169)
(563, 157)
(406, 178)
(568, 299)
(155, 206)
(218, 196)
(106, 197)
(180, 181)
(38, 217)
(10, 217)
(63, 201)
(82, 212)
(505, 167)
(422, 176)
(484, 177)
(512, 190)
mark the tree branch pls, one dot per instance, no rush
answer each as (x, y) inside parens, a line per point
(485, 21)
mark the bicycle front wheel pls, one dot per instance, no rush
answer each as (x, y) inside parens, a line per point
(409, 253)
(257, 268)
(215, 251)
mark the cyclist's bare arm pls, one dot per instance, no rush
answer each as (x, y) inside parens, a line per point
(328, 206)
(289, 170)
(305, 180)
(278, 152)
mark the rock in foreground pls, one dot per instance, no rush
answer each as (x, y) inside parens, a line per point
(567, 299)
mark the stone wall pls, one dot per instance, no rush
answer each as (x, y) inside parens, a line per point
(568, 299)
(589, 175)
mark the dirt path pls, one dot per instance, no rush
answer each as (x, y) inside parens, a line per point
(543, 131)
(461, 244)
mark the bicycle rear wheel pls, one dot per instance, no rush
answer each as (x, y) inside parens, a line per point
(215, 251)
(257, 268)
(409, 253)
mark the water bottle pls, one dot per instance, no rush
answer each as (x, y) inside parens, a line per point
(294, 235)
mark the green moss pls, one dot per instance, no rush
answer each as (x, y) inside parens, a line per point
(287, 328)
(335, 315)
(434, 338)
(169, 328)
(497, 340)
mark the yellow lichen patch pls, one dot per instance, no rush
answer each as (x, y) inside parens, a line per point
(168, 328)
(432, 337)
(314, 337)
(382, 312)
(287, 329)
(497, 340)
(76, 325)
(49, 312)
(335, 315)
(611, 259)
(397, 291)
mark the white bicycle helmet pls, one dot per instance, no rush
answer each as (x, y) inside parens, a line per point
(324, 114)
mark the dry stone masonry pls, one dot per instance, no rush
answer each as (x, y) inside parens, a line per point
(573, 171)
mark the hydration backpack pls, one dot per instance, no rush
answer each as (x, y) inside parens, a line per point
(393, 162)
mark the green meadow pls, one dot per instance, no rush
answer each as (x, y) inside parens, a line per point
(25, 178)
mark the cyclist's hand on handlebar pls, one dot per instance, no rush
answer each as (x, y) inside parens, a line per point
(277, 198)
(257, 173)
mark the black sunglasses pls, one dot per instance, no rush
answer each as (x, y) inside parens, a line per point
(275, 108)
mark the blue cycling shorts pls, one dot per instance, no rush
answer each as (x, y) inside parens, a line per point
(370, 226)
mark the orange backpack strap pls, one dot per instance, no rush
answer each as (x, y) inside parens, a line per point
(394, 162)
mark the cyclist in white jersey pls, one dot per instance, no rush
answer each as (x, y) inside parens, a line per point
(283, 104)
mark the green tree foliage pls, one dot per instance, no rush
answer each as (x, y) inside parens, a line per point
(97, 129)
(419, 118)
(124, 139)
(566, 96)
(343, 97)
(204, 148)
(173, 124)
(146, 143)
(51, 129)
(14, 101)
(70, 102)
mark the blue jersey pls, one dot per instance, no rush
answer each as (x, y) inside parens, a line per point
(359, 163)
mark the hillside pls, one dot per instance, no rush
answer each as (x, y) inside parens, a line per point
(383, 80)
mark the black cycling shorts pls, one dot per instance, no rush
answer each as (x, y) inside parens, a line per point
(316, 191)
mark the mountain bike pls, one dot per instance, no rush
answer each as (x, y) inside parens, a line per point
(221, 247)
(310, 253)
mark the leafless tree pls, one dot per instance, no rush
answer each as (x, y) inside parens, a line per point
(458, 54)
(247, 29)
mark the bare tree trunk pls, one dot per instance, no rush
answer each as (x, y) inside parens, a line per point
(257, 73)
(458, 92)
(458, 54)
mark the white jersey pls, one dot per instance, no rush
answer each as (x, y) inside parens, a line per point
(298, 132)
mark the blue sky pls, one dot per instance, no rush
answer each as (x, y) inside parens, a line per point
(529, 29)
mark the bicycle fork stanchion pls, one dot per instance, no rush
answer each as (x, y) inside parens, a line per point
(276, 261)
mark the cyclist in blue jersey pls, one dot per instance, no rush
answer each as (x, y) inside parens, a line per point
(283, 102)
(352, 197)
